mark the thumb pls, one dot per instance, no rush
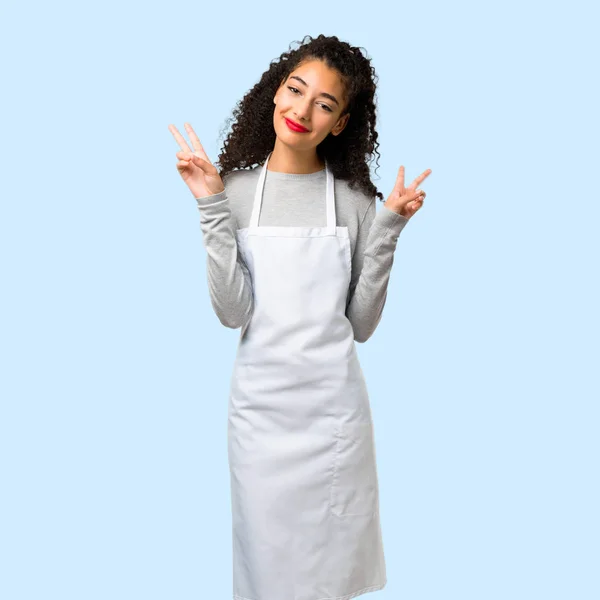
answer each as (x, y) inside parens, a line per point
(203, 164)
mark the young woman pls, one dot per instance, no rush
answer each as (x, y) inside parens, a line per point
(299, 258)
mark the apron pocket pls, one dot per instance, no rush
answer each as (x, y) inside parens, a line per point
(354, 485)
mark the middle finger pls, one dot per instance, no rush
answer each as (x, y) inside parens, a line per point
(420, 178)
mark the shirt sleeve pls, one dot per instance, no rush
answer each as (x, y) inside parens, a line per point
(229, 281)
(371, 267)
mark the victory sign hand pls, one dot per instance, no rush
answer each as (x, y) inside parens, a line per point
(407, 201)
(200, 175)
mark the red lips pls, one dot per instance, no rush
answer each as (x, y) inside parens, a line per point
(295, 126)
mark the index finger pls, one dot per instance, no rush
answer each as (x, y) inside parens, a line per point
(179, 139)
(196, 142)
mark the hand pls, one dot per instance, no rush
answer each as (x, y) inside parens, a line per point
(200, 175)
(407, 201)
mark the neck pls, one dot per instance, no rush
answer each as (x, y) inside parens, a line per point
(290, 160)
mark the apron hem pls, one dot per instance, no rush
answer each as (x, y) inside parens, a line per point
(371, 588)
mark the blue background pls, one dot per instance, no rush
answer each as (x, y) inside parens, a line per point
(483, 373)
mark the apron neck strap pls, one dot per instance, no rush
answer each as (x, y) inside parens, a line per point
(329, 198)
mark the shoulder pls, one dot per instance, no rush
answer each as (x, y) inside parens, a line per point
(238, 180)
(355, 199)
(239, 186)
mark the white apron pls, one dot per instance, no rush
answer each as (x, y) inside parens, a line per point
(304, 489)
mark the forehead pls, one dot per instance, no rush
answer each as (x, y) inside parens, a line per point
(319, 76)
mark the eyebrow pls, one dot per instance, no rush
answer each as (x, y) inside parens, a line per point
(321, 94)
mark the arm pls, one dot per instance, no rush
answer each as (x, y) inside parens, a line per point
(229, 280)
(371, 266)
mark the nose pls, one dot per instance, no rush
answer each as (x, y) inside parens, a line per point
(302, 110)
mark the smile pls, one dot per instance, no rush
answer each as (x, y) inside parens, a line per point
(294, 126)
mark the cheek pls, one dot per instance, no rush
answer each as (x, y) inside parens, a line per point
(324, 122)
(282, 107)
(284, 99)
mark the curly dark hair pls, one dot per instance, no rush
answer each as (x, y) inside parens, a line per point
(349, 153)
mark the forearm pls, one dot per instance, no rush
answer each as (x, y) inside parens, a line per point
(366, 305)
(229, 281)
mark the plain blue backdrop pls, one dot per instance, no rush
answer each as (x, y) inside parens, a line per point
(483, 372)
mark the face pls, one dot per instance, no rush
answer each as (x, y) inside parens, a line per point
(312, 95)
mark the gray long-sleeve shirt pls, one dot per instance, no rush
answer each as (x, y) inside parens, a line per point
(297, 200)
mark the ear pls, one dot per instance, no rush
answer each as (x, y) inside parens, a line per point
(340, 125)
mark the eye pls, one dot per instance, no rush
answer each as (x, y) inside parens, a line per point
(294, 90)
